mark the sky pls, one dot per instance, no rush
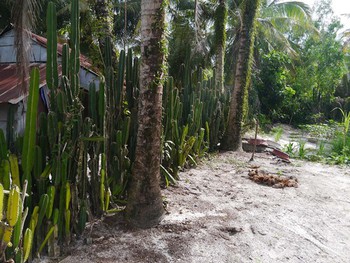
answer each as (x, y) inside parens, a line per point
(339, 7)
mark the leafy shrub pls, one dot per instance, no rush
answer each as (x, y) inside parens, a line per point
(278, 131)
(289, 149)
(340, 150)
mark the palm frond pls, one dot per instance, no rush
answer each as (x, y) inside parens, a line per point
(293, 8)
(273, 37)
(281, 18)
(83, 7)
(287, 24)
(24, 16)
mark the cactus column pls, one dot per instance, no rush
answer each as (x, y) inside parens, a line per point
(145, 206)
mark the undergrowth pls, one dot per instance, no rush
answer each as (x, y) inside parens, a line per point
(333, 143)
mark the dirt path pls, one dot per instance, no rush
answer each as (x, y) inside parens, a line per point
(217, 214)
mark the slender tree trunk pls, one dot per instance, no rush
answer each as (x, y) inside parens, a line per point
(104, 15)
(145, 205)
(220, 43)
(233, 139)
(219, 68)
(125, 22)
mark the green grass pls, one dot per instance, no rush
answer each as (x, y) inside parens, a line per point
(278, 131)
(302, 150)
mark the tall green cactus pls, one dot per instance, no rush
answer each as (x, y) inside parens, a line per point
(30, 129)
(51, 63)
(75, 48)
(193, 120)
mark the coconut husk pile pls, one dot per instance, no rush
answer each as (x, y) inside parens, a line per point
(276, 181)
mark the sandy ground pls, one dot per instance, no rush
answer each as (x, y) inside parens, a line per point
(216, 214)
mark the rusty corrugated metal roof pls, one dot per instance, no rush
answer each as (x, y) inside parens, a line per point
(10, 87)
(84, 61)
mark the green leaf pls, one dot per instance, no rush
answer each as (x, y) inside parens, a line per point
(167, 176)
(45, 174)
(51, 194)
(27, 244)
(43, 205)
(68, 195)
(48, 235)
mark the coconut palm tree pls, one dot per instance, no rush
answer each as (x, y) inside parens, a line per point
(145, 205)
(232, 138)
(279, 25)
(278, 20)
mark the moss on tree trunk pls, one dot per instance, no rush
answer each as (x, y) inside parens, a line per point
(145, 205)
(220, 43)
(232, 138)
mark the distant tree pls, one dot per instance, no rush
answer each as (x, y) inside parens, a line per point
(104, 14)
(127, 23)
(145, 205)
(190, 37)
(273, 83)
(320, 70)
(321, 67)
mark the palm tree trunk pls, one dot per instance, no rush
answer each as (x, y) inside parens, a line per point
(24, 17)
(233, 139)
(219, 68)
(104, 15)
(125, 21)
(220, 43)
(145, 205)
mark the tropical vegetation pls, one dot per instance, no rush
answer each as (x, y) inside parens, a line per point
(178, 79)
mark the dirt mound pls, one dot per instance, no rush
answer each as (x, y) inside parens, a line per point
(276, 181)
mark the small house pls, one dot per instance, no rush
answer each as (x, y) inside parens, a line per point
(11, 98)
